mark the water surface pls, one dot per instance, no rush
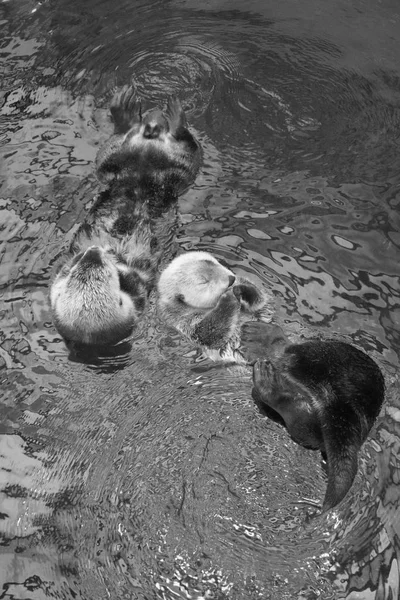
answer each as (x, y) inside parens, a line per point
(152, 475)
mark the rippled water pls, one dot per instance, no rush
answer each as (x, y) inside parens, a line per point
(152, 475)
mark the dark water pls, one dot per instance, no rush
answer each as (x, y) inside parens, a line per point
(152, 475)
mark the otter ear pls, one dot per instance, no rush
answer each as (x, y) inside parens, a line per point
(175, 114)
(180, 298)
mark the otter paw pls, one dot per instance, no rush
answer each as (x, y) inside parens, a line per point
(215, 329)
(260, 339)
(256, 332)
(125, 109)
(263, 375)
(249, 296)
(252, 340)
(175, 114)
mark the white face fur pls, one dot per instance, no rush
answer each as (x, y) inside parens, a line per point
(156, 121)
(88, 301)
(195, 278)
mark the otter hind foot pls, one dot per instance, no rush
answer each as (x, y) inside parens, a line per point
(175, 115)
(125, 110)
(263, 377)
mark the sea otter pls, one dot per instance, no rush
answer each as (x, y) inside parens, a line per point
(100, 290)
(327, 393)
(155, 149)
(203, 300)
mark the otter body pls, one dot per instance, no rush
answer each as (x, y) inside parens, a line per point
(197, 296)
(155, 149)
(328, 394)
(100, 291)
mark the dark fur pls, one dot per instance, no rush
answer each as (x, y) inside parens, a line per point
(215, 330)
(327, 393)
(162, 175)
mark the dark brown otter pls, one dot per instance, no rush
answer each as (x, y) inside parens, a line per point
(327, 393)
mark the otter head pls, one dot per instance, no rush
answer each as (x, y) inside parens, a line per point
(89, 301)
(156, 128)
(154, 148)
(196, 279)
(154, 125)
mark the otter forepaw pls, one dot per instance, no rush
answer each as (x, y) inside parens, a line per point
(249, 296)
(252, 340)
(125, 109)
(216, 328)
(263, 375)
(175, 114)
(258, 340)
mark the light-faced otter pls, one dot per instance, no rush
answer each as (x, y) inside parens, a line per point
(202, 299)
(101, 289)
(327, 393)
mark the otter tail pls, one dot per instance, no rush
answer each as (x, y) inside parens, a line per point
(341, 430)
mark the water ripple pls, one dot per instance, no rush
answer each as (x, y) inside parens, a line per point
(151, 473)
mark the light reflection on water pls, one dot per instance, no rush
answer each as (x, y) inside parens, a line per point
(152, 474)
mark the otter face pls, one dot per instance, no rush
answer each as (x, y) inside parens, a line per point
(158, 131)
(294, 402)
(88, 301)
(155, 147)
(273, 388)
(196, 279)
(153, 128)
(162, 137)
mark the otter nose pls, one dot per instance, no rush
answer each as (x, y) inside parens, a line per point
(231, 280)
(92, 257)
(151, 131)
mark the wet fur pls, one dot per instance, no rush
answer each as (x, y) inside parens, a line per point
(202, 299)
(101, 288)
(155, 149)
(328, 395)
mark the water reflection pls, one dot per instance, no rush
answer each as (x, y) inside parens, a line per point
(151, 474)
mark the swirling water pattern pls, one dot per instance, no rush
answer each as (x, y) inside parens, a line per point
(152, 474)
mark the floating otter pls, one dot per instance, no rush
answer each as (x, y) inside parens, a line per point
(197, 296)
(101, 289)
(156, 151)
(327, 393)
